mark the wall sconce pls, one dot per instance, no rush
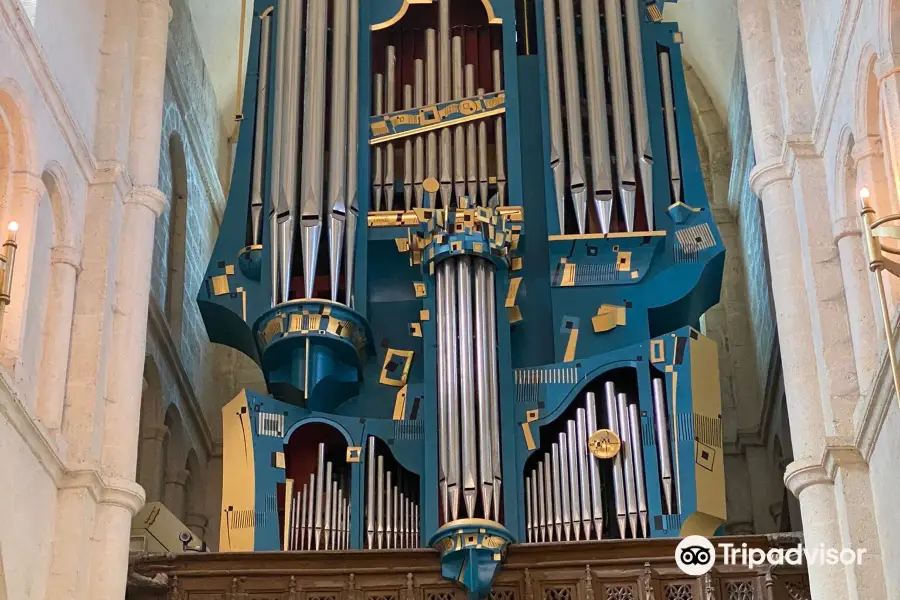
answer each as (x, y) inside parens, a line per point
(873, 230)
(7, 264)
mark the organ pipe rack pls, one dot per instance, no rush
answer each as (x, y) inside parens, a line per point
(468, 244)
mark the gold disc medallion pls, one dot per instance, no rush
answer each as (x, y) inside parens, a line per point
(604, 443)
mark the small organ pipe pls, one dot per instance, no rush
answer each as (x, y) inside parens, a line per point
(558, 492)
(628, 466)
(662, 441)
(303, 500)
(557, 152)
(402, 521)
(379, 499)
(499, 137)
(396, 502)
(665, 69)
(329, 506)
(388, 511)
(471, 142)
(370, 493)
(573, 112)
(565, 481)
(594, 466)
(584, 482)
(622, 115)
(310, 522)
(378, 167)
(548, 497)
(482, 158)
(259, 143)
(320, 475)
(390, 102)
(574, 493)
(612, 420)
(542, 512)
(337, 155)
(419, 101)
(529, 514)
(407, 154)
(634, 419)
(595, 81)
(459, 135)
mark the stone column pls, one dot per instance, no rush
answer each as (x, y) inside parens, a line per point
(176, 481)
(197, 522)
(860, 310)
(66, 264)
(143, 204)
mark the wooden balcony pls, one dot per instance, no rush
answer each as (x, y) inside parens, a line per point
(607, 570)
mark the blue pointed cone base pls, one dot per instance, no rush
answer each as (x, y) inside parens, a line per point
(472, 551)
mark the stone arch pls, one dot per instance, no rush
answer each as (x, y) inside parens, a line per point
(17, 151)
(175, 452)
(712, 143)
(177, 236)
(151, 447)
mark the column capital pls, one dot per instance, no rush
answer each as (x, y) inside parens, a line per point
(67, 255)
(846, 227)
(178, 477)
(150, 197)
(802, 474)
(887, 65)
(768, 173)
(155, 432)
(868, 147)
(195, 519)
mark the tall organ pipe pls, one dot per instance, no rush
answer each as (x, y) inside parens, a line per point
(594, 466)
(407, 153)
(431, 96)
(459, 135)
(595, 81)
(453, 409)
(566, 485)
(313, 142)
(484, 393)
(639, 100)
(259, 141)
(276, 192)
(493, 371)
(482, 159)
(378, 167)
(443, 349)
(634, 420)
(320, 475)
(390, 105)
(628, 455)
(466, 381)
(584, 483)
(337, 170)
(665, 68)
(499, 138)
(557, 153)
(622, 121)
(291, 146)
(558, 492)
(446, 95)
(471, 142)
(574, 493)
(573, 112)
(419, 101)
(612, 419)
(352, 154)
(662, 441)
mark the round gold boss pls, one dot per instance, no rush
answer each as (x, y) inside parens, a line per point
(604, 443)
(467, 107)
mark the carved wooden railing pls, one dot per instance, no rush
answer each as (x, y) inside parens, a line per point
(608, 570)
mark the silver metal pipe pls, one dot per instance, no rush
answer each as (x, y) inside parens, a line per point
(574, 478)
(339, 530)
(259, 142)
(471, 143)
(584, 481)
(548, 498)
(396, 503)
(290, 140)
(388, 511)
(370, 493)
(320, 475)
(379, 495)
(310, 519)
(628, 455)
(598, 120)
(334, 515)
(329, 505)
(557, 150)
(408, 154)
(499, 137)
(639, 105)
(313, 142)
(348, 521)
(337, 153)
(416, 525)
(403, 531)
(390, 102)
(467, 382)
(378, 168)
(431, 98)
(638, 455)
(542, 505)
(565, 481)
(621, 114)
(612, 419)
(491, 312)
(529, 511)
(443, 350)
(594, 466)
(453, 404)
(352, 155)
(661, 423)
(484, 398)
(303, 531)
(558, 492)
(276, 192)
(419, 101)
(446, 95)
(577, 186)
(482, 158)
(665, 68)
(459, 135)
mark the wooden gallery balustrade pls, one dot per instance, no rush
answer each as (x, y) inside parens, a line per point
(606, 570)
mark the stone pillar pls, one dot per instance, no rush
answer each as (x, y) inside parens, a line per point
(150, 466)
(66, 264)
(118, 456)
(197, 522)
(174, 498)
(860, 310)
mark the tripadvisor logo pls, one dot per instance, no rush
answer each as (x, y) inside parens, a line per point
(696, 555)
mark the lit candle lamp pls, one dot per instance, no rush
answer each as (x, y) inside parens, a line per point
(7, 264)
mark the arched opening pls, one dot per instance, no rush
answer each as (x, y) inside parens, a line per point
(151, 447)
(195, 496)
(177, 237)
(175, 475)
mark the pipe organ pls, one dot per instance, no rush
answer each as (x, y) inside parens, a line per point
(467, 243)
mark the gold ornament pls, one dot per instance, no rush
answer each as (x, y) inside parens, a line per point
(604, 443)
